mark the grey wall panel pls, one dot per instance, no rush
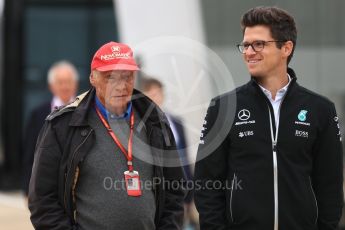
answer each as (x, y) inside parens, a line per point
(319, 22)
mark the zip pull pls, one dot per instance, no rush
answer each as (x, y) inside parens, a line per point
(274, 146)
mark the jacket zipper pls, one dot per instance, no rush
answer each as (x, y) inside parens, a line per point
(274, 138)
(275, 174)
(70, 166)
(232, 189)
(317, 207)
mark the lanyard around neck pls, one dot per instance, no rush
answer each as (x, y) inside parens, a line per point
(128, 154)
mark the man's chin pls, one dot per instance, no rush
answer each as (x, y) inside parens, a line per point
(255, 74)
(116, 106)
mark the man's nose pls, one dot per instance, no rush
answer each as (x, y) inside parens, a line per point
(119, 85)
(250, 50)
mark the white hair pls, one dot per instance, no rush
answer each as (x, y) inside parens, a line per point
(61, 64)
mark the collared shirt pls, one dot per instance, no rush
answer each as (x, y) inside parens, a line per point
(278, 99)
(106, 114)
(57, 102)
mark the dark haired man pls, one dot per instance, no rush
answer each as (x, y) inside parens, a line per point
(283, 153)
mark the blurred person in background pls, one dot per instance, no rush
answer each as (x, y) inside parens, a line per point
(93, 162)
(63, 84)
(282, 156)
(154, 89)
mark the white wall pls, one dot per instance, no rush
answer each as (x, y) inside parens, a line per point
(168, 37)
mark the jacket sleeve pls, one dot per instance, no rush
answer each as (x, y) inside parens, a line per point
(327, 177)
(46, 210)
(173, 210)
(29, 143)
(211, 166)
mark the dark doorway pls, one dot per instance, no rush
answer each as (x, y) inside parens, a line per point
(41, 33)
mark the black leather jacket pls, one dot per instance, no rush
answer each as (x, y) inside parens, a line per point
(66, 139)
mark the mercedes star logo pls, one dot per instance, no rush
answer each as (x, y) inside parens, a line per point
(244, 115)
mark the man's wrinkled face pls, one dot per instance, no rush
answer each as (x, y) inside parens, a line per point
(113, 88)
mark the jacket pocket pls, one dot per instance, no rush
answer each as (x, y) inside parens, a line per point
(314, 200)
(232, 197)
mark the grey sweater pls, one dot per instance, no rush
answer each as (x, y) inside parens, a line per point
(101, 197)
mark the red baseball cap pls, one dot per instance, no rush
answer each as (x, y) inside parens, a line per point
(114, 56)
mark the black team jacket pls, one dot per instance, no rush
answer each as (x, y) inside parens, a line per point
(292, 183)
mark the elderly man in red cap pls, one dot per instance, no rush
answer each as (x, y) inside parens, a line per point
(108, 160)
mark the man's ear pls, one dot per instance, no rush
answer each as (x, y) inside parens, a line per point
(92, 79)
(51, 88)
(287, 48)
